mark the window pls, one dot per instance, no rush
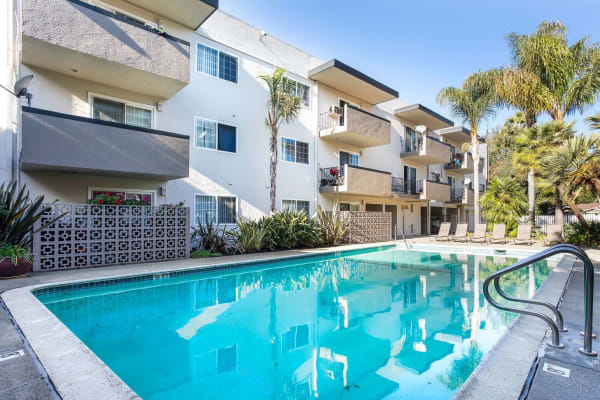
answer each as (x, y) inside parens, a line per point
(122, 112)
(217, 63)
(294, 151)
(295, 338)
(300, 90)
(348, 158)
(296, 205)
(216, 136)
(217, 209)
(349, 206)
(141, 197)
(215, 362)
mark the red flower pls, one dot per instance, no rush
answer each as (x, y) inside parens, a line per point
(108, 193)
(100, 201)
(118, 202)
(333, 171)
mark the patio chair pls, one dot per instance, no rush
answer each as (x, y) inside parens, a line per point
(523, 235)
(554, 235)
(444, 233)
(498, 234)
(461, 233)
(479, 234)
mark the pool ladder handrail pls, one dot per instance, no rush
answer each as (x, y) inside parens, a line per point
(555, 327)
(403, 237)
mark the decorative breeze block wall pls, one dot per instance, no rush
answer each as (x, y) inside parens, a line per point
(369, 227)
(91, 235)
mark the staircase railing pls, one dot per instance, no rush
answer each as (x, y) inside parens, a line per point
(555, 327)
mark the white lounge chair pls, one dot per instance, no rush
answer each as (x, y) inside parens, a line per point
(554, 235)
(444, 233)
(523, 235)
(461, 233)
(498, 234)
(479, 236)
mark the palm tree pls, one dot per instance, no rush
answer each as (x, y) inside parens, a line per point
(282, 107)
(475, 101)
(532, 144)
(504, 201)
(574, 167)
(594, 121)
(549, 75)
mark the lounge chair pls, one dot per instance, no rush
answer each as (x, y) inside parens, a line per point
(479, 234)
(554, 235)
(498, 234)
(444, 233)
(461, 233)
(523, 235)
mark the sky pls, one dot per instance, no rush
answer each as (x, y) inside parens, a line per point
(417, 47)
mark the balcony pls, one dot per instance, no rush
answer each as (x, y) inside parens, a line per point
(425, 150)
(62, 142)
(356, 180)
(460, 163)
(435, 191)
(355, 127)
(87, 42)
(461, 195)
(406, 188)
(189, 13)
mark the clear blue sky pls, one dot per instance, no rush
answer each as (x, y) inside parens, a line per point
(416, 47)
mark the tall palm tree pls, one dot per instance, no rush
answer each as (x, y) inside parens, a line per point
(549, 75)
(574, 167)
(475, 101)
(282, 107)
(532, 144)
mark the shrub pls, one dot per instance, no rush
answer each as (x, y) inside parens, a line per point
(204, 254)
(577, 235)
(211, 235)
(292, 229)
(332, 224)
(14, 253)
(250, 236)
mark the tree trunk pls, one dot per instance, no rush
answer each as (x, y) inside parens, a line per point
(475, 149)
(273, 169)
(531, 195)
(558, 211)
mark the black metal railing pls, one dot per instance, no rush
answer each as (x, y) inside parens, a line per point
(332, 176)
(406, 186)
(482, 187)
(456, 161)
(411, 145)
(555, 327)
(433, 177)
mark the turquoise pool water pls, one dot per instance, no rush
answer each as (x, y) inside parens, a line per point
(374, 324)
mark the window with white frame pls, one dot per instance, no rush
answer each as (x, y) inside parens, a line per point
(215, 135)
(300, 90)
(295, 337)
(216, 63)
(216, 209)
(293, 150)
(120, 111)
(296, 205)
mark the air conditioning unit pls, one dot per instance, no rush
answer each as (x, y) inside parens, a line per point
(335, 111)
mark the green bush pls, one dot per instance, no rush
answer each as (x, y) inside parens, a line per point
(251, 236)
(332, 224)
(204, 254)
(292, 229)
(577, 235)
(211, 235)
(14, 252)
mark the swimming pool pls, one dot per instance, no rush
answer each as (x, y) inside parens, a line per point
(370, 324)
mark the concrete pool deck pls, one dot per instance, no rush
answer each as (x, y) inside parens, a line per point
(78, 368)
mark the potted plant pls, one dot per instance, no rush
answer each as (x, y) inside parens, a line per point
(18, 214)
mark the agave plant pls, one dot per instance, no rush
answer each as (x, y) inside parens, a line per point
(18, 215)
(212, 236)
(333, 225)
(249, 236)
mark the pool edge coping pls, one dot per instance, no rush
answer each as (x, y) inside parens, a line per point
(45, 333)
(491, 379)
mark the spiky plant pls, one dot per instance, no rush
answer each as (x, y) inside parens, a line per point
(504, 201)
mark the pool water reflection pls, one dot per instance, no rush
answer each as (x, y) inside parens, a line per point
(379, 324)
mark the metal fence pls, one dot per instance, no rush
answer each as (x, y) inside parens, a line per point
(92, 235)
(542, 221)
(368, 226)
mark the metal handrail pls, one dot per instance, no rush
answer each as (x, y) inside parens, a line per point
(558, 326)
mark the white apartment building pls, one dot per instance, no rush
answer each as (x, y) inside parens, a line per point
(134, 97)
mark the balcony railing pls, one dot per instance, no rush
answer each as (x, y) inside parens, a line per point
(456, 193)
(353, 179)
(456, 161)
(332, 176)
(411, 145)
(406, 186)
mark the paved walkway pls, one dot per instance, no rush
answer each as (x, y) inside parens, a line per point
(22, 377)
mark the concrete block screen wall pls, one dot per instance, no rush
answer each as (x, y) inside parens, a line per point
(90, 235)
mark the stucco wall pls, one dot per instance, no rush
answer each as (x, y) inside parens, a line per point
(436, 191)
